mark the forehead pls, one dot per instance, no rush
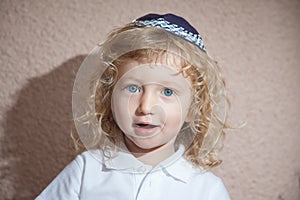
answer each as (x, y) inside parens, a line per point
(150, 57)
(159, 70)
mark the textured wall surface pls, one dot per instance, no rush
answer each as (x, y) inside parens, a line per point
(257, 43)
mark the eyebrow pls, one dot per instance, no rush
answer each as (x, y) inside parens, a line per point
(164, 82)
(133, 79)
(176, 86)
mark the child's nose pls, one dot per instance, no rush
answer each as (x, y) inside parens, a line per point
(147, 101)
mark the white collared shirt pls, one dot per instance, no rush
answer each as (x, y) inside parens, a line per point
(90, 176)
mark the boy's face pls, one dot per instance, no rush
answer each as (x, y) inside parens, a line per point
(150, 103)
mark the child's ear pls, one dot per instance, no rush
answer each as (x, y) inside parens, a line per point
(112, 108)
(189, 116)
(112, 103)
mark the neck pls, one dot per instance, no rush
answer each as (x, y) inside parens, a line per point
(152, 156)
(155, 157)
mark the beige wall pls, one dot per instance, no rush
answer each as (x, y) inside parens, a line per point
(256, 42)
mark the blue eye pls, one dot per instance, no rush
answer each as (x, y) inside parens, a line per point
(133, 88)
(168, 92)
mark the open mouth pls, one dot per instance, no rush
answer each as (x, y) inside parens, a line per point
(145, 126)
(144, 129)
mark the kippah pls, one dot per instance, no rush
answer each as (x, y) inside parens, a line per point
(173, 24)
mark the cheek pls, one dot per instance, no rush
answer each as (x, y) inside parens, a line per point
(124, 107)
(119, 108)
(177, 112)
(131, 104)
(173, 113)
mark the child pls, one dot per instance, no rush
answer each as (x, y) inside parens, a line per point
(149, 105)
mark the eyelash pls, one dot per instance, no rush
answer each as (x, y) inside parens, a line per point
(134, 89)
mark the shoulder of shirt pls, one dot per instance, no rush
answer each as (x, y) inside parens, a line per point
(90, 157)
(186, 172)
(199, 178)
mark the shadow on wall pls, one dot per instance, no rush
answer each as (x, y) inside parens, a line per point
(37, 143)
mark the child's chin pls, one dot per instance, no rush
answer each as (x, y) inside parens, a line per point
(146, 145)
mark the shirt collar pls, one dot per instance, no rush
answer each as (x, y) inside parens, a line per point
(182, 170)
(123, 160)
(175, 166)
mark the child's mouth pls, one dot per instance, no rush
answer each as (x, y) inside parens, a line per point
(145, 130)
(146, 126)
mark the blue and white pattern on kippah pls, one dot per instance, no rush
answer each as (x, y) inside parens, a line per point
(174, 29)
